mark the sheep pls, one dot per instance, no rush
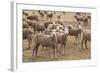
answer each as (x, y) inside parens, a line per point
(25, 25)
(59, 21)
(30, 22)
(47, 23)
(83, 19)
(55, 25)
(86, 36)
(31, 17)
(41, 13)
(74, 31)
(47, 31)
(50, 26)
(27, 34)
(45, 41)
(49, 16)
(61, 37)
(25, 13)
(38, 27)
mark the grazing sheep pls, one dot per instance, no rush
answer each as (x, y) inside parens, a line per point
(83, 19)
(45, 41)
(38, 27)
(27, 34)
(86, 36)
(33, 18)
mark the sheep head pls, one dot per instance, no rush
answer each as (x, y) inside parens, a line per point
(70, 27)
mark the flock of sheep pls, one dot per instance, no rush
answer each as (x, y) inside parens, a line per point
(50, 33)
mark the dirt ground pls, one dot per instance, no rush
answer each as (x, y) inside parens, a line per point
(72, 50)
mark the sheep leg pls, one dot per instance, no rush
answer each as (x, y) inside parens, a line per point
(76, 37)
(54, 52)
(36, 51)
(80, 38)
(63, 50)
(86, 44)
(82, 43)
(33, 54)
(51, 51)
(48, 50)
(29, 43)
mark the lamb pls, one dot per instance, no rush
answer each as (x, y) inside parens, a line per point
(27, 34)
(45, 41)
(86, 36)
